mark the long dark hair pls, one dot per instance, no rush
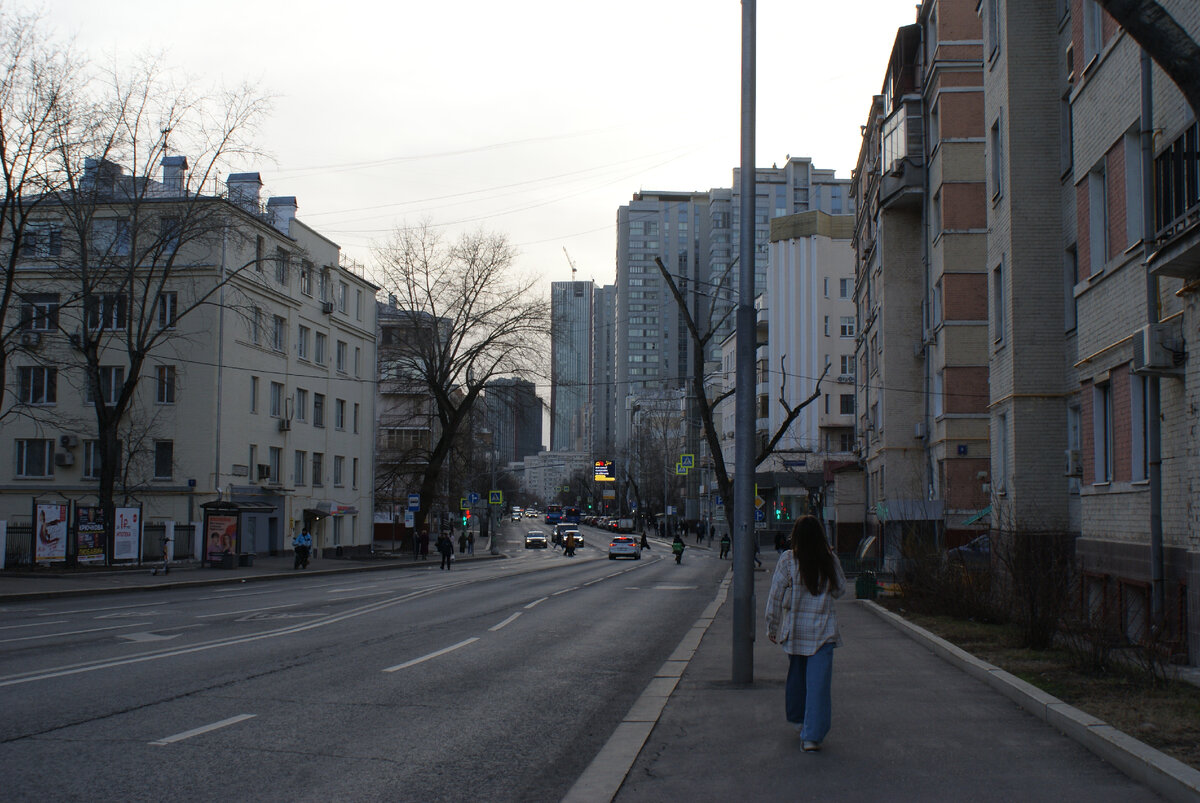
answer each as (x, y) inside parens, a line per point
(813, 558)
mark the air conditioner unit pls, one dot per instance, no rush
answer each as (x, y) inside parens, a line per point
(1074, 463)
(30, 339)
(68, 441)
(919, 430)
(64, 459)
(1156, 350)
(845, 379)
(285, 424)
(327, 307)
(264, 471)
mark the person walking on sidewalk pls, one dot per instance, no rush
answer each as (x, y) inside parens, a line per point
(802, 620)
(301, 546)
(725, 542)
(445, 548)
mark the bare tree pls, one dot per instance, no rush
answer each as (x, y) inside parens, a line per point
(40, 87)
(701, 342)
(1167, 42)
(469, 319)
(137, 256)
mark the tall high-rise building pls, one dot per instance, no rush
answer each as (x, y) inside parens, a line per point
(604, 363)
(514, 415)
(570, 366)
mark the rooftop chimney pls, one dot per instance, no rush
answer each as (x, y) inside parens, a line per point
(282, 208)
(244, 189)
(174, 174)
(100, 176)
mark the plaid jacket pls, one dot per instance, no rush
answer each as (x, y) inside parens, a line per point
(800, 622)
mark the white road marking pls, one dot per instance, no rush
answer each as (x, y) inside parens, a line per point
(94, 610)
(432, 655)
(75, 632)
(179, 737)
(674, 588)
(147, 636)
(35, 624)
(536, 602)
(248, 610)
(564, 591)
(350, 588)
(507, 621)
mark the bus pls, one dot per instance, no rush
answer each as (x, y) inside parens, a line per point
(553, 514)
(571, 515)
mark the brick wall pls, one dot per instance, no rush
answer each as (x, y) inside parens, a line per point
(964, 206)
(966, 389)
(1114, 176)
(964, 297)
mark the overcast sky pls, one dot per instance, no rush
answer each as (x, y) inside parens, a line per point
(535, 118)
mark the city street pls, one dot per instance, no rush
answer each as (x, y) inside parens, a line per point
(498, 678)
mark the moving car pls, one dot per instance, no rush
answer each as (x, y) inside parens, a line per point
(562, 531)
(624, 546)
(535, 539)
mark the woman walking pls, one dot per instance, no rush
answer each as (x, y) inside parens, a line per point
(801, 619)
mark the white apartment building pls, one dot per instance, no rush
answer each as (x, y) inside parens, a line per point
(262, 396)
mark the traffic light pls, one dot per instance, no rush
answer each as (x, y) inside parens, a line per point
(780, 512)
(466, 517)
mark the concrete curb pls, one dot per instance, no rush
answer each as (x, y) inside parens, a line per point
(230, 579)
(1167, 776)
(604, 776)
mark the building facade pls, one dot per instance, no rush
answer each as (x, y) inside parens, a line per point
(571, 350)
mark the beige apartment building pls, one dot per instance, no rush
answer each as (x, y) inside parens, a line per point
(262, 395)
(920, 287)
(1092, 299)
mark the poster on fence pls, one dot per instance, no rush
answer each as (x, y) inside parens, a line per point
(50, 531)
(127, 534)
(89, 534)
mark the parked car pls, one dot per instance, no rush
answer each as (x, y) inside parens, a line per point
(624, 546)
(975, 555)
(535, 539)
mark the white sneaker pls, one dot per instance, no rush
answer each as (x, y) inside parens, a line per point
(811, 747)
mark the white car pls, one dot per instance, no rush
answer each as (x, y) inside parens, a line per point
(624, 546)
(535, 539)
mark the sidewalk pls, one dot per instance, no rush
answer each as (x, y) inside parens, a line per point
(912, 721)
(24, 584)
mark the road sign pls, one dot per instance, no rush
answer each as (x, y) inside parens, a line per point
(414, 502)
(495, 497)
(462, 503)
(409, 519)
(473, 498)
(680, 468)
(687, 460)
(760, 515)
(759, 502)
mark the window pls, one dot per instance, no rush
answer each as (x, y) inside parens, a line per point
(1102, 432)
(281, 265)
(256, 325)
(826, 326)
(355, 421)
(319, 349)
(846, 326)
(1139, 398)
(1093, 30)
(337, 530)
(298, 465)
(91, 460)
(164, 459)
(276, 399)
(168, 310)
(847, 364)
(357, 361)
(1098, 216)
(825, 284)
(1000, 469)
(112, 377)
(341, 299)
(39, 312)
(35, 458)
(845, 288)
(110, 236)
(318, 410)
(279, 334)
(1070, 279)
(339, 466)
(105, 311)
(354, 473)
(38, 385)
(165, 381)
(1066, 134)
(254, 394)
(358, 304)
(275, 461)
(259, 251)
(306, 271)
(939, 386)
(301, 404)
(846, 404)
(996, 148)
(302, 342)
(340, 355)
(994, 17)
(325, 284)
(999, 304)
(169, 229)
(1133, 188)
(318, 470)
(41, 240)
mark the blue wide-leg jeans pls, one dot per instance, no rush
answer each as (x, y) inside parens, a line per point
(808, 694)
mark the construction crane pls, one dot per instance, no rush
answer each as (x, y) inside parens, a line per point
(570, 262)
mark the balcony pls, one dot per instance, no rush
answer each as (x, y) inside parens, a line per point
(902, 184)
(1177, 208)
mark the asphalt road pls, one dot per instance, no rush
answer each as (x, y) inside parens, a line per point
(497, 680)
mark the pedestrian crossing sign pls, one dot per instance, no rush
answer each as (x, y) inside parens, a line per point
(496, 497)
